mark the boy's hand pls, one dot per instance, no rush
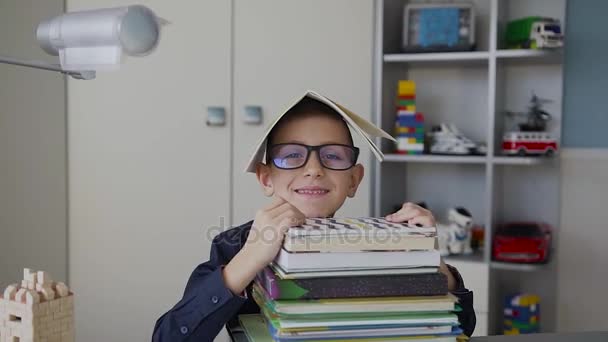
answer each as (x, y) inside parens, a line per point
(269, 228)
(413, 214)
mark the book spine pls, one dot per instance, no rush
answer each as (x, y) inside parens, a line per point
(269, 282)
(431, 284)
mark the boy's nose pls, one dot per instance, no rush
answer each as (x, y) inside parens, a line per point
(313, 167)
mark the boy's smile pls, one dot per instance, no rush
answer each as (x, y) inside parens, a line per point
(314, 189)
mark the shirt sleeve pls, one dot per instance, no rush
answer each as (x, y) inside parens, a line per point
(207, 304)
(466, 317)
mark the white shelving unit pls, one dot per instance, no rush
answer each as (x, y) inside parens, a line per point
(473, 90)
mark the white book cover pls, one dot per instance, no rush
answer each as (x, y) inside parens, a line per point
(368, 226)
(361, 126)
(294, 262)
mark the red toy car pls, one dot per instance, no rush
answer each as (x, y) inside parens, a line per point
(528, 143)
(522, 242)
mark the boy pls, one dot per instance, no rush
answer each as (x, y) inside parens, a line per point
(310, 169)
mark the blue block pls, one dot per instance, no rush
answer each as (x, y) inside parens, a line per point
(407, 119)
(419, 136)
(408, 123)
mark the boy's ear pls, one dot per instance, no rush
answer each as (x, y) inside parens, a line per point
(356, 177)
(262, 172)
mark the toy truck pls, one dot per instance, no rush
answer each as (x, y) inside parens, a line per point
(534, 33)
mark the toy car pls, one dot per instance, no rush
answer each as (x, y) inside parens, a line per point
(534, 33)
(522, 242)
(529, 143)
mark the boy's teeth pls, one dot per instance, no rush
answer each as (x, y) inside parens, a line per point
(311, 192)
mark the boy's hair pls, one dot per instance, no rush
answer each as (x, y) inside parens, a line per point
(306, 106)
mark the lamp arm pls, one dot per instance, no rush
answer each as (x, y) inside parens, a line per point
(81, 75)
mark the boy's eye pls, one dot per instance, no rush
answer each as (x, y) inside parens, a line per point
(332, 156)
(293, 155)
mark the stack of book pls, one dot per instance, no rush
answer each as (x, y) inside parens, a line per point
(355, 279)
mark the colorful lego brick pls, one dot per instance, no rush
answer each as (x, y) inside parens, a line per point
(410, 108)
(523, 328)
(408, 116)
(405, 113)
(405, 145)
(521, 314)
(406, 97)
(405, 121)
(406, 87)
(402, 103)
(409, 130)
(410, 152)
(417, 136)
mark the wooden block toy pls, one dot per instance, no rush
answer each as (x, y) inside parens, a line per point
(30, 276)
(10, 292)
(44, 278)
(37, 310)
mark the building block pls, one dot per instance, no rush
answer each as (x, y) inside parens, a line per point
(44, 278)
(32, 297)
(61, 289)
(401, 103)
(38, 311)
(406, 97)
(406, 88)
(30, 276)
(10, 292)
(20, 295)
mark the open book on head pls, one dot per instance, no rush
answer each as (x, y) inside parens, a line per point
(361, 126)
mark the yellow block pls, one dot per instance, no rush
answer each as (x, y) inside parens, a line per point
(410, 109)
(407, 87)
(527, 300)
(513, 331)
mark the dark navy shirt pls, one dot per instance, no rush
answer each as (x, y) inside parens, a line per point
(207, 304)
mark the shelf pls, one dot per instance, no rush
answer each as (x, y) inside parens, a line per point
(530, 56)
(497, 265)
(518, 55)
(438, 57)
(476, 257)
(430, 158)
(506, 160)
(445, 159)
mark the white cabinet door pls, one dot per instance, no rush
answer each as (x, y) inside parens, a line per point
(281, 49)
(147, 176)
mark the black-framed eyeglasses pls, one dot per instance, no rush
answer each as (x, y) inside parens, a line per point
(291, 156)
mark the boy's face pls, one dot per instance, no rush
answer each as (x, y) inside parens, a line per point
(331, 187)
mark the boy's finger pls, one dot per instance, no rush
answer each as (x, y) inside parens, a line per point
(422, 221)
(403, 215)
(276, 201)
(290, 218)
(278, 210)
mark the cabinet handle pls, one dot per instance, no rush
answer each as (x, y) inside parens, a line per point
(252, 115)
(216, 116)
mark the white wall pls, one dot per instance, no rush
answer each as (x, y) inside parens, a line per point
(33, 229)
(583, 242)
